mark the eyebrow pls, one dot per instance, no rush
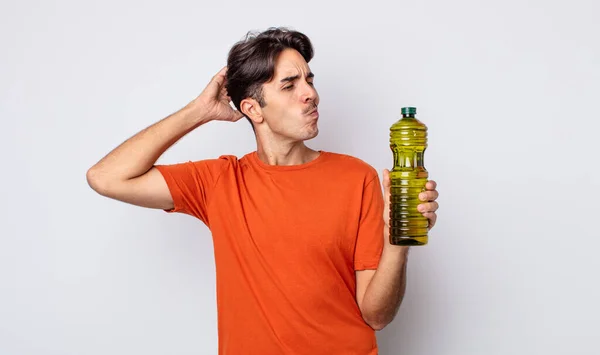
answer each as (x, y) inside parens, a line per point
(296, 77)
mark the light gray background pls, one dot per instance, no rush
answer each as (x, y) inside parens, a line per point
(509, 90)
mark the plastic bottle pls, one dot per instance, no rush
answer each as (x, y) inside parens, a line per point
(408, 141)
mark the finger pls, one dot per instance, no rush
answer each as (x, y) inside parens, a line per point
(386, 196)
(432, 206)
(428, 207)
(222, 72)
(237, 115)
(223, 94)
(432, 217)
(386, 185)
(220, 77)
(428, 195)
(430, 185)
(386, 179)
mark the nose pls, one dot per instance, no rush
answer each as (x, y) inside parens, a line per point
(309, 93)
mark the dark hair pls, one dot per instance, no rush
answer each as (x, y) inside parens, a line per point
(251, 62)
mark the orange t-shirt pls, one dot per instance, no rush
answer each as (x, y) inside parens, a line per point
(287, 243)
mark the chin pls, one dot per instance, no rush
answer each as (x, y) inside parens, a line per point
(305, 136)
(312, 134)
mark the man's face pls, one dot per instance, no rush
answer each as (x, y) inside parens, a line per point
(291, 99)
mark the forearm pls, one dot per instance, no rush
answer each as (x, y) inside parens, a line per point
(386, 290)
(139, 153)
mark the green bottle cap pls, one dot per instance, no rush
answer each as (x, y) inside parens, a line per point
(409, 110)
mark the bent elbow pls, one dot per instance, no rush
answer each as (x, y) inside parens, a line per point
(377, 326)
(95, 181)
(377, 322)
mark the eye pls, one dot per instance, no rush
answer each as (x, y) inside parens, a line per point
(289, 87)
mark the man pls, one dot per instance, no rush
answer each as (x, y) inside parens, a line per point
(303, 261)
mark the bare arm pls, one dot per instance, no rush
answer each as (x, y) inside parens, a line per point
(379, 293)
(127, 173)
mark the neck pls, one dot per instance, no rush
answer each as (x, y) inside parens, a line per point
(274, 152)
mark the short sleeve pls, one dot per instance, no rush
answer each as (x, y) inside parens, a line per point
(191, 185)
(369, 243)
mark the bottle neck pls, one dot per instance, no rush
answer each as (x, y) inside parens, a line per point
(408, 115)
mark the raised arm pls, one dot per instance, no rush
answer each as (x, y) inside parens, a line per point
(128, 174)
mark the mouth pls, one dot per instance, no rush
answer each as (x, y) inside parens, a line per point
(313, 112)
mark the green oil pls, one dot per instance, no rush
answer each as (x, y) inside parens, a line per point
(408, 141)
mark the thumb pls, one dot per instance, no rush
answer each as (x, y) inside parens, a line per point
(217, 83)
(386, 179)
(386, 185)
(238, 115)
(386, 197)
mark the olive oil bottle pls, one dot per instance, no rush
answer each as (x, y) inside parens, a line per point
(408, 141)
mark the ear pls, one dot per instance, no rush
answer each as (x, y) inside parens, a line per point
(252, 110)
